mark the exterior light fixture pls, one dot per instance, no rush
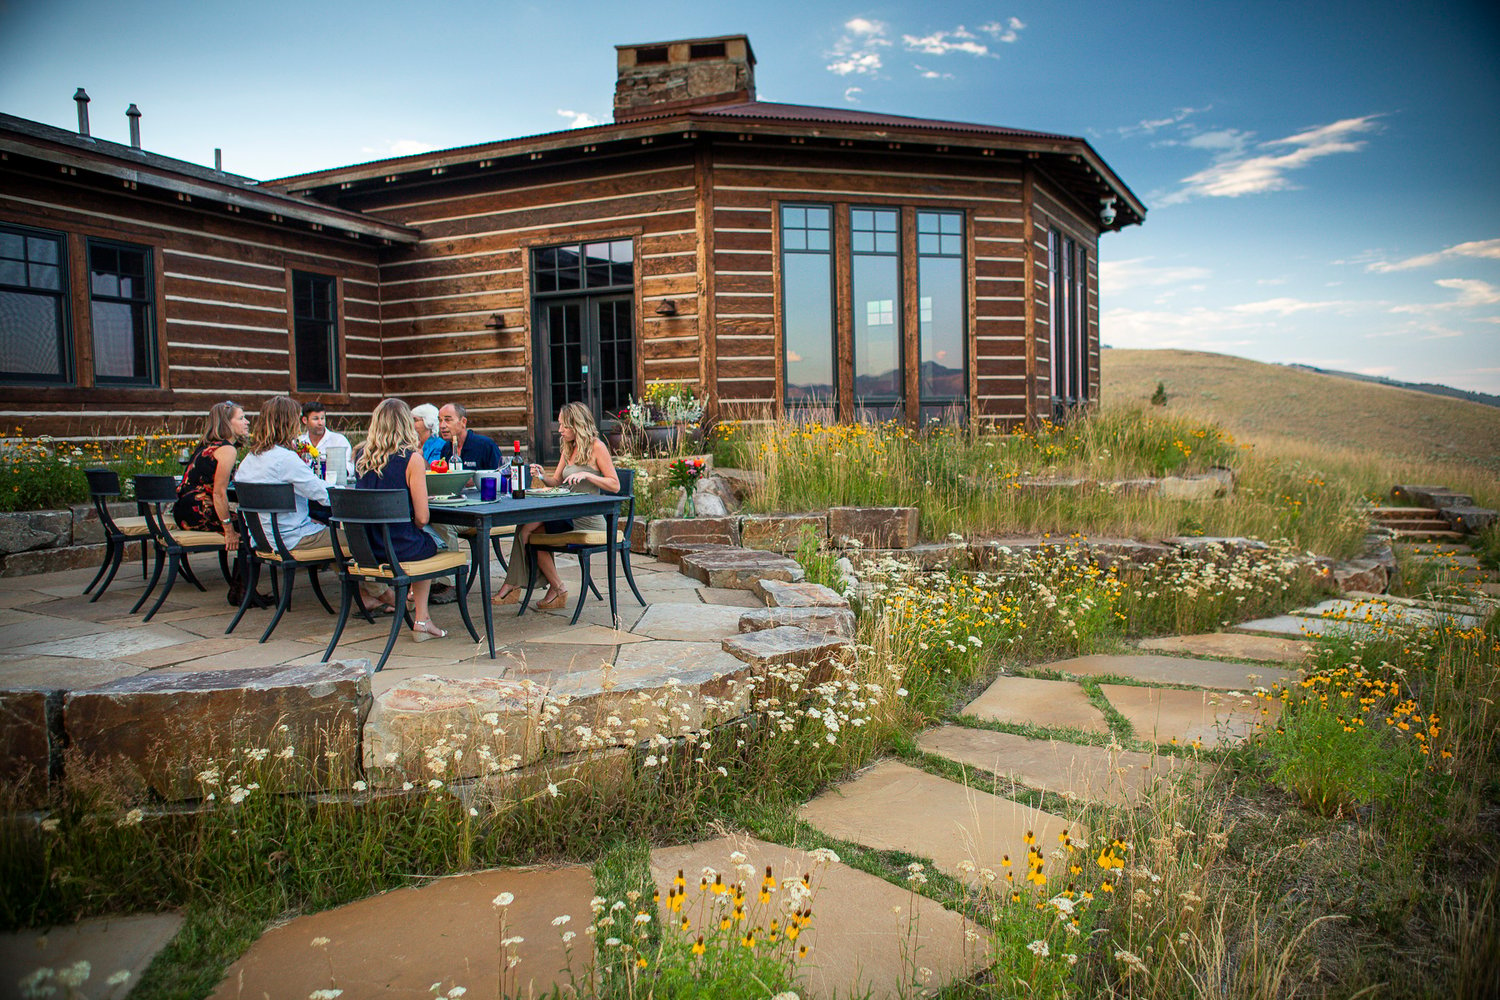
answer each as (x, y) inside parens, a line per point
(668, 307)
(1107, 210)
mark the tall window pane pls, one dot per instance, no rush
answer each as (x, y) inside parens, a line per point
(807, 303)
(33, 330)
(1080, 339)
(123, 311)
(876, 272)
(941, 306)
(315, 331)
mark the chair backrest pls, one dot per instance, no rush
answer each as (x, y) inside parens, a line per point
(271, 499)
(152, 492)
(103, 482)
(366, 512)
(627, 488)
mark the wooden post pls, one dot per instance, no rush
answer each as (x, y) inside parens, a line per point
(1028, 271)
(708, 345)
(911, 317)
(843, 311)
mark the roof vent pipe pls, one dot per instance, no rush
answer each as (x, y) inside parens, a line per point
(82, 97)
(218, 159)
(134, 114)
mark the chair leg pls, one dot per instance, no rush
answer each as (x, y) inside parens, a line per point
(495, 543)
(346, 600)
(317, 586)
(224, 566)
(463, 606)
(109, 554)
(585, 583)
(396, 621)
(530, 579)
(166, 587)
(630, 577)
(288, 572)
(189, 575)
(252, 578)
(143, 557)
(113, 566)
(155, 575)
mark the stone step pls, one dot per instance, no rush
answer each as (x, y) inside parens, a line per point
(448, 932)
(1030, 701)
(780, 594)
(1427, 534)
(895, 807)
(1156, 669)
(1083, 773)
(1212, 718)
(739, 569)
(1407, 526)
(1241, 647)
(1404, 513)
(829, 621)
(765, 649)
(863, 928)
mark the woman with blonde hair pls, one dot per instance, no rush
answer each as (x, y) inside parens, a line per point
(392, 460)
(584, 466)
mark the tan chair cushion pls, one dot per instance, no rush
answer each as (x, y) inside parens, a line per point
(132, 526)
(319, 554)
(561, 538)
(420, 567)
(198, 539)
(499, 531)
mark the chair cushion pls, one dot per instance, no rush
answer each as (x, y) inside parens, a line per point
(323, 553)
(420, 567)
(561, 538)
(498, 531)
(198, 539)
(132, 526)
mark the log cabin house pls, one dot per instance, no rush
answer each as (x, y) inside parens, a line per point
(784, 258)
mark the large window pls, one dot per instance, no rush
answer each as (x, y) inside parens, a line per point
(34, 341)
(1068, 277)
(315, 331)
(807, 304)
(876, 270)
(941, 318)
(122, 308)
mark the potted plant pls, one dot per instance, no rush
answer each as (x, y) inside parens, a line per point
(668, 413)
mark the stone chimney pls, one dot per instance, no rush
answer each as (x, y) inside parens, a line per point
(660, 77)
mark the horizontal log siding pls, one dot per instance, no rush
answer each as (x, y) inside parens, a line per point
(748, 185)
(1053, 211)
(439, 298)
(222, 311)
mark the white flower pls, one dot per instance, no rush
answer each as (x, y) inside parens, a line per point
(457, 991)
(504, 899)
(319, 942)
(559, 921)
(132, 818)
(551, 789)
(50, 825)
(1038, 948)
(359, 786)
(76, 974)
(568, 936)
(123, 976)
(325, 994)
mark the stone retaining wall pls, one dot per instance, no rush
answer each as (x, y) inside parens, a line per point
(46, 541)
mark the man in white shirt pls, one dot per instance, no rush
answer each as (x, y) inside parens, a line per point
(316, 433)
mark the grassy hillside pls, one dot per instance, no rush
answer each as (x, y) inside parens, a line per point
(1292, 410)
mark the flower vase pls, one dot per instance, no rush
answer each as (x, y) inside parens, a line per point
(689, 506)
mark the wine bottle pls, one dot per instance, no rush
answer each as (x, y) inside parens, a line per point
(517, 475)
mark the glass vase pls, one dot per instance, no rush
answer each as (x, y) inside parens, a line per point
(689, 507)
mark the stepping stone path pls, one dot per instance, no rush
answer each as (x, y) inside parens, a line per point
(1174, 670)
(1371, 615)
(1168, 715)
(1029, 701)
(111, 945)
(1231, 645)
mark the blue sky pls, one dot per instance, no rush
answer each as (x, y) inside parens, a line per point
(1321, 177)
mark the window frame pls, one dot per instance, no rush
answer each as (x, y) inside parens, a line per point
(830, 254)
(923, 402)
(897, 399)
(63, 296)
(151, 335)
(338, 363)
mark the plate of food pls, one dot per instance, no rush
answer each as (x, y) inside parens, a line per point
(549, 491)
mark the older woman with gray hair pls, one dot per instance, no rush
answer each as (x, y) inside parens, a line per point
(425, 419)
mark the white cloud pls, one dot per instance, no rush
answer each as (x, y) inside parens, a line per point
(852, 94)
(1489, 249)
(1117, 276)
(1285, 306)
(942, 43)
(1472, 293)
(931, 74)
(578, 119)
(1007, 31)
(858, 50)
(1231, 140)
(1237, 174)
(1149, 126)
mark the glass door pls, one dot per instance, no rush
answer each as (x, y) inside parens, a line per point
(585, 353)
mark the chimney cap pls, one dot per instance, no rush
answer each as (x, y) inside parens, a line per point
(81, 95)
(133, 111)
(749, 52)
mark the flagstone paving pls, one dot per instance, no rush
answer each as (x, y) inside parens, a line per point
(110, 945)
(1231, 645)
(1030, 701)
(858, 919)
(449, 931)
(1085, 773)
(1172, 670)
(895, 807)
(1167, 715)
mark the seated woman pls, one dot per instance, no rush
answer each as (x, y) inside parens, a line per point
(203, 495)
(425, 417)
(585, 467)
(391, 460)
(273, 459)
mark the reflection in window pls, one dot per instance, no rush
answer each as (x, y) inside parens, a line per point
(33, 328)
(122, 310)
(807, 303)
(941, 306)
(606, 264)
(315, 331)
(876, 274)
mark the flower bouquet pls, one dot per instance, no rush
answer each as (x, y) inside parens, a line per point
(685, 473)
(667, 413)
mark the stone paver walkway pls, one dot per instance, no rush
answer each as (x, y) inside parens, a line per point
(117, 950)
(1030, 701)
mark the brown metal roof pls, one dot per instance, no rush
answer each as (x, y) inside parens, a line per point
(770, 111)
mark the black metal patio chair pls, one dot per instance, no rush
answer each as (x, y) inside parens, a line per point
(259, 502)
(104, 486)
(584, 544)
(156, 494)
(364, 515)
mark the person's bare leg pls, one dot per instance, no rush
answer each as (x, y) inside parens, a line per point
(422, 622)
(548, 567)
(523, 533)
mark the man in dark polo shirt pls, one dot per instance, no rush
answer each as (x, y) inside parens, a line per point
(476, 450)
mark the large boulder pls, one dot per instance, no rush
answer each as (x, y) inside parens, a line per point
(1468, 518)
(781, 532)
(873, 527)
(31, 742)
(24, 531)
(817, 653)
(781, 594)
(52, 560)
(679, 530)
(1195, 488)
(829, 621)
(451, 728)
(739, 569)
(160, 730)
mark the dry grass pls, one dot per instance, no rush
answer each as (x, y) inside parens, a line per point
(1286, 408)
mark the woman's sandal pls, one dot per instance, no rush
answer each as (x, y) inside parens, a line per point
(423, 630)
(557, 601)
(513, 597)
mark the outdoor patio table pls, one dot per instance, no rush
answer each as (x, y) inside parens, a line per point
(482, 517)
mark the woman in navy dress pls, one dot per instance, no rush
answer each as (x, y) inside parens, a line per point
(392, 460)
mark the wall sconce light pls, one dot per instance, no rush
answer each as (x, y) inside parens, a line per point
(1107, 210)
(497, 322)
(667, 307)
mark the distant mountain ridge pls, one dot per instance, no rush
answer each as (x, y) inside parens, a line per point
(1436, 388)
